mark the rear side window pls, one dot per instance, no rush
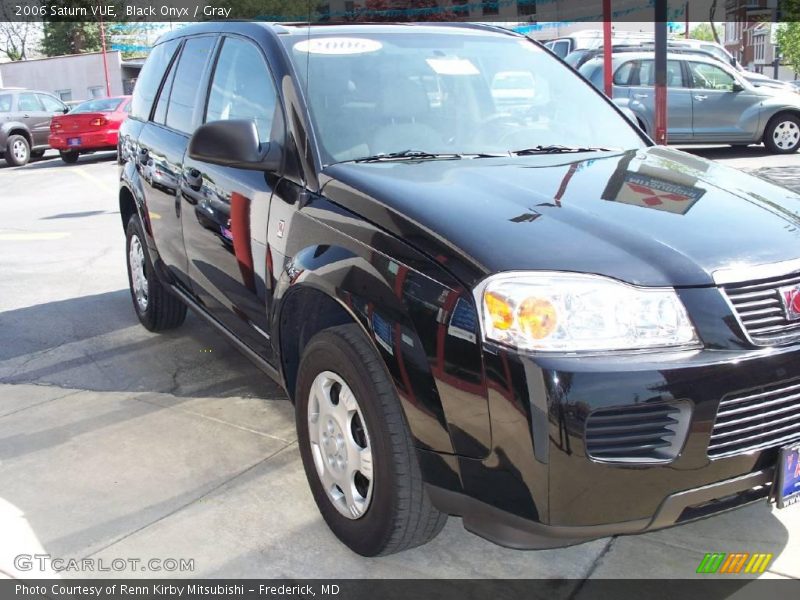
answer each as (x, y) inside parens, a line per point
(242, 87)
(5, 103)
(647, 75)
(623, 74)
(150, 78)
(28, 102)
(183, 97)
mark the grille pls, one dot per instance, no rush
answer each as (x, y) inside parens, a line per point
(643, 433)
(756, 419)
(759, 307)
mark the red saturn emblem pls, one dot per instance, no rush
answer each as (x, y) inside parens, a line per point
(790, 296)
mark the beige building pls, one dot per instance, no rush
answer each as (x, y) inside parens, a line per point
(74, 77)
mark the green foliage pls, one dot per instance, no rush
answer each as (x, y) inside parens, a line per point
(788, 36)
(789, 43)
(64, 37)
(702, 31)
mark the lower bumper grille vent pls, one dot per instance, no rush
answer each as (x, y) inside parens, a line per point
(756, 419)
(644, 433)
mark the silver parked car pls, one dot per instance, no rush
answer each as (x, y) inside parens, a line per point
(707, 101)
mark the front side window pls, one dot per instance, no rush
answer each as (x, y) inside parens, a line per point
(183, 97)
(5, 103)
(459, 92)
(51, 104)
(710, 77)
(242, 87)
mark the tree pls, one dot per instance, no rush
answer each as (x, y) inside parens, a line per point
(17, 39)
(788, 35)
(789, 43)
(702, 31)
(66, 37)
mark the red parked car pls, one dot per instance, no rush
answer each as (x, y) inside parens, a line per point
(90, 126)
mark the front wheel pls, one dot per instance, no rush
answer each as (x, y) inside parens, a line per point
(157, 308)
(356, 448)
(782, 135)
(70, 156)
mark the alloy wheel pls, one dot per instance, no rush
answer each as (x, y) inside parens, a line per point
(138, 278)
(786, 135)
(19, 150)
(340, 445)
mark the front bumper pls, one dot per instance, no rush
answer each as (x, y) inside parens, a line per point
(539, 487)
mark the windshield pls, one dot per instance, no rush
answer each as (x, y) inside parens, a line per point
(462, 93)
(100, 105)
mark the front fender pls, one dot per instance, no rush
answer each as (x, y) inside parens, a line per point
(423, 327)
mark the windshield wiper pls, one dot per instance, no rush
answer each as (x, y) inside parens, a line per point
(557, 149)
(408, 155)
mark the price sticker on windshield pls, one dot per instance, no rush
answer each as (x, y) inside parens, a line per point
(338, 46)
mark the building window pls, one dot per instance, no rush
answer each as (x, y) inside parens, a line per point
(461, 8)
(65, 95)
(490, 7)
(526, 8)
(97, 91)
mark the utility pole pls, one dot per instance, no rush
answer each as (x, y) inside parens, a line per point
(105, 55)
(660, 22)
(607, 75)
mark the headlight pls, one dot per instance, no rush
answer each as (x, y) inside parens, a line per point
(568, 312)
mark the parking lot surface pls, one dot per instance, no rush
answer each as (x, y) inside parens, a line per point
(116, 443)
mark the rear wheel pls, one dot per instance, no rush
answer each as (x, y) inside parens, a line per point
(157, 308)
(356, 448)
(18, 151)
(70, 156)
(782, 135)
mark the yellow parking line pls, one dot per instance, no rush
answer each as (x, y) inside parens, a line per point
(33, 236)
(90, 177)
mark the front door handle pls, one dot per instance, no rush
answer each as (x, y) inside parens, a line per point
(641, 96)
(700, 97)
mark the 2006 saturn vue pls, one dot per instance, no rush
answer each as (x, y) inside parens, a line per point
(507, 305)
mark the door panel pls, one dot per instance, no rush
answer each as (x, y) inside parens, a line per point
(226, 209)
(679, 99)
(719, 112)
(159, 155)
(33, 115)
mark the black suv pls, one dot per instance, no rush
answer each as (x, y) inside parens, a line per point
(486, 293)
(25, 123)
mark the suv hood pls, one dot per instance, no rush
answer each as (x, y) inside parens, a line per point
(655, 217)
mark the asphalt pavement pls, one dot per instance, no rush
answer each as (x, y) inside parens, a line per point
(116, 443)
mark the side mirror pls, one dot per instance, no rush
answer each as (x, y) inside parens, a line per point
(233, 143)
(65, 110)
(737, 87)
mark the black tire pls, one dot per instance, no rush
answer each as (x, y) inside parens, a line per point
(399, 515)
(18, 151)
(70, 156)
(772, 134)
(162, 310)
(37, 154)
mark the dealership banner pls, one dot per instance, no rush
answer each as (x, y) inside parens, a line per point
(738, 588)
(533, 14)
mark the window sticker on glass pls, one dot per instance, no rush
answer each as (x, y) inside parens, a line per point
(338, 45)
(452, 66)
